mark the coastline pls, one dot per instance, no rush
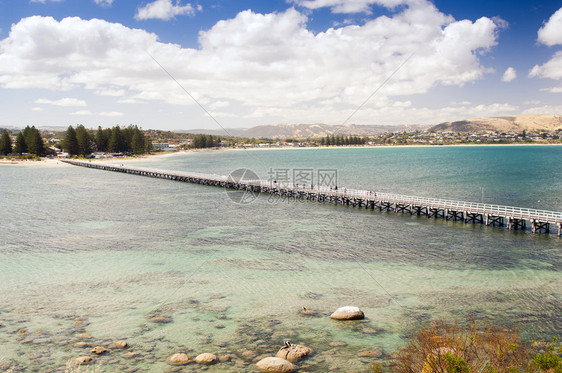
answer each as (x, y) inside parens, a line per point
(55, 162)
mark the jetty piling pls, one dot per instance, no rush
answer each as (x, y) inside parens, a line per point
(513, 218)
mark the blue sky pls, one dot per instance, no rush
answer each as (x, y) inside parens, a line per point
(265, 62)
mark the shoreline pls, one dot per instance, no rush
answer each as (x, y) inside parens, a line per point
(56, 162)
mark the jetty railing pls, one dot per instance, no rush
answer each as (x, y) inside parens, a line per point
(470, 212)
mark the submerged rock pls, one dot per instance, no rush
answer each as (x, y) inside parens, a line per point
(224, 358)
(308, 312)
(206, 358)
(98, 350)
(370, 353)
(161, 320)
(119, 344)
(178, 359)
(292, 352)
(348, 313)
(131, 355)
(83, 360)
(275, 365)
(84, 336)
(81, 344)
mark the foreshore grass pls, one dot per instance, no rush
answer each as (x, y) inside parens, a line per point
(446, 347)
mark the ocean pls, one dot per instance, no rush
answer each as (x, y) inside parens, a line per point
(88, 251)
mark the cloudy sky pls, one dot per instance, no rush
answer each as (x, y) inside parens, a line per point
(164, 63)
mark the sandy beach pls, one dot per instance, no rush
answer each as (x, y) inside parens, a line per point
(53, 162)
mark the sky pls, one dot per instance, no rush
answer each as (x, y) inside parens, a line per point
(212, 64)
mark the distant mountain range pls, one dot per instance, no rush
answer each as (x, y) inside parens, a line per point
(516, 123)
(300, 131)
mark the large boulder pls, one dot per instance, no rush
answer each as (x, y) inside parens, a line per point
(178, 359)
(348, 313)
(206, 358)
(275, 365)
(293, 353)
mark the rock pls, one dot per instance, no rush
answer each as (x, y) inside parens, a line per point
(307, 312)
(98, 350)
(206, 358)
(178, 359)
(337, 344)
(84, 336)
(81, 344)
(348, 313)
(131, 355)
(83, 360)
(219, 326)
(78, 323)
(161, 320)
(369, 331)
(370, 353)
(224, 358)
(22, 331)
(275, 365)
(293, 353)
(119, 344)
(249, 354)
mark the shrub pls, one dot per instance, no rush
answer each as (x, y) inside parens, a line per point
(448, 348)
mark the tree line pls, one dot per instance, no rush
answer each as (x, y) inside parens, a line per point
(342, 140)
(205, 141)
(27, 141)
(81, 141)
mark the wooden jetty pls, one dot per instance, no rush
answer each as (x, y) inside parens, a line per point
(512, 218)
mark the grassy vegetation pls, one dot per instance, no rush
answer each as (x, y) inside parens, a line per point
(449, 348)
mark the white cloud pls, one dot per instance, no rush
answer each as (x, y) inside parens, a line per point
(509, 75)
(551, 69)
(544, 109)
(44, 1)
(111, 114)
(110, 92)
(82, 112)
(37, 109)
(551, 33)
(261, 64)
(165, 10)
(62, 102)
(106, 3)
(349, 6)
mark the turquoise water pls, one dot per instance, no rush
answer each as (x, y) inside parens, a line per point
(119, 249)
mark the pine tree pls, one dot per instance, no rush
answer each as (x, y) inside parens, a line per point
(116, 141)
(70, 142)
(83, 140)
(5, 143)
(138, 145)
(34, 142)
(101, 140)
(21, 146)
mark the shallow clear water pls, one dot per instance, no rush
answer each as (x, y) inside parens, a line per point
(119, 249)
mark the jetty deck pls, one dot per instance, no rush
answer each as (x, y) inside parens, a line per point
(512, 218)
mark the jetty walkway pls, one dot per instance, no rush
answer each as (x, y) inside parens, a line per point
(512, 218)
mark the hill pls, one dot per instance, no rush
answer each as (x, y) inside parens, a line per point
(302, 131)
(516, 123)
